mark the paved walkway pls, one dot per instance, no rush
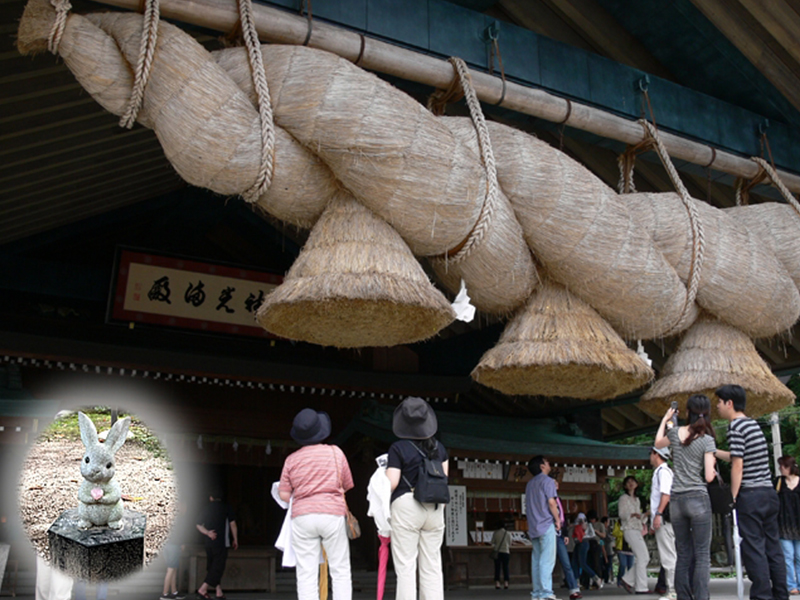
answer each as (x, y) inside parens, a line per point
(721, 589)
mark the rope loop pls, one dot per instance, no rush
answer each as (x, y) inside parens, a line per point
(627, 162)
(256, 58)
(698, 237)
(777, 182)
(147, 49)
(62, 11)
(462, 83)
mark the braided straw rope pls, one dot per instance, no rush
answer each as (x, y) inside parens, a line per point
(487, 156)
(698, 238)
(143, 64)
(253, 44)
(776, 180)
(62, 9)
(625, 185)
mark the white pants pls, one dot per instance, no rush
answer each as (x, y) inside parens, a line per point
(641, 557)
(417, 534)
(308, 532)
(665, 538)
(51, 584)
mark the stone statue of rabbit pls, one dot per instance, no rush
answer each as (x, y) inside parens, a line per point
(100, 495)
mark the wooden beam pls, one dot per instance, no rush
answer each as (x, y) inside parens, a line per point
(633, 414)
(278, 26)
(606, 35)
(780, 21)
(614, 418)
(727, 17)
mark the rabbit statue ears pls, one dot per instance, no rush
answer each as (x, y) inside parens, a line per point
(116, 437)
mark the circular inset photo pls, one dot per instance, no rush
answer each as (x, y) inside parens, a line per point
(97, 493)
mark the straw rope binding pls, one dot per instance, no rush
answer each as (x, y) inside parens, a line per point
(144, 64)
(253, 45)
(487, 157)
(698, 238)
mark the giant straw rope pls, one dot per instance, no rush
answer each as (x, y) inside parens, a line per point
(234, 120)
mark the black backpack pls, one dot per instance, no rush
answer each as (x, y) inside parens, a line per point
(431, 481)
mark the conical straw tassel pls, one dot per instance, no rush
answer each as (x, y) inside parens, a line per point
(355, 284)
(559, 346)
(712, 354)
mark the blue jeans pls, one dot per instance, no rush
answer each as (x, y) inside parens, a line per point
(625, 563)
(566, 567)
(543, 561)
(691, 516)
(791, 554)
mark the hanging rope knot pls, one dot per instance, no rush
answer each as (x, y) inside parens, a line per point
(627, 162)
(463, 83)
(698, 237)
(144, 64)
(253, 45)
(62, 12)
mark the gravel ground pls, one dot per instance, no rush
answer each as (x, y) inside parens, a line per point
(51, 477)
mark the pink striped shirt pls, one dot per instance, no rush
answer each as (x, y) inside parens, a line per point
(310, 474)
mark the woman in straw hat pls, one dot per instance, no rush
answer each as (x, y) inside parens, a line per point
(417, 528)
(693, 448)
(315, 478)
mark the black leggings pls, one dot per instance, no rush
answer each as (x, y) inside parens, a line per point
(502, 559)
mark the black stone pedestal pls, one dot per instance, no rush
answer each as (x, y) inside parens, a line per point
(98, 553)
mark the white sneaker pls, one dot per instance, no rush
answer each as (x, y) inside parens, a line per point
(598, 582)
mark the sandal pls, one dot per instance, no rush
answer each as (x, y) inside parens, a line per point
(794, 592)
(204, 596)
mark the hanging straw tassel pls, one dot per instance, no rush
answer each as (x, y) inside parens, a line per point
(712, 354)
(355, 284)
(559, 346)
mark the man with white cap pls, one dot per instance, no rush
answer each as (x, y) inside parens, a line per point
(659, 515)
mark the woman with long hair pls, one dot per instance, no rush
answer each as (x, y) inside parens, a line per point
(417, 527)
(789, 519)
(692, 447)
(632, 520)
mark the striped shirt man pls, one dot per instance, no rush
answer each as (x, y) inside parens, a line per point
(747, 441)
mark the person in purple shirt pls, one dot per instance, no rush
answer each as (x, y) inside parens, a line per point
(543, 518)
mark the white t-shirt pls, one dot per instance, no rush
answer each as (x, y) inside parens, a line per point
(662, 484)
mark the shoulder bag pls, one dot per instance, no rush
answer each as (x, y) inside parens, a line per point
(353, 527)
(495, 553)
(720, 495)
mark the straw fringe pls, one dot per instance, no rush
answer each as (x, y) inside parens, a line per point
(712, 354)
(355, 284)
(742, 282)
(559, 346)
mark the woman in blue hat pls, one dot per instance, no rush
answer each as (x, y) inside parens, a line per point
(315, 478)
(417, 527)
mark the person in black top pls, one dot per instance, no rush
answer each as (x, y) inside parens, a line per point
(789, 519)
(216, 524)
(417, 527)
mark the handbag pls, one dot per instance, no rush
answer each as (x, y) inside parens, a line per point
(352, 526)
(720, 495)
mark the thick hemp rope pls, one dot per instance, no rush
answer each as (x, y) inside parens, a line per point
(253, 45)
(776, 180)
(144, 63)
(62, 10)
(463, 250)
(698, 238)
